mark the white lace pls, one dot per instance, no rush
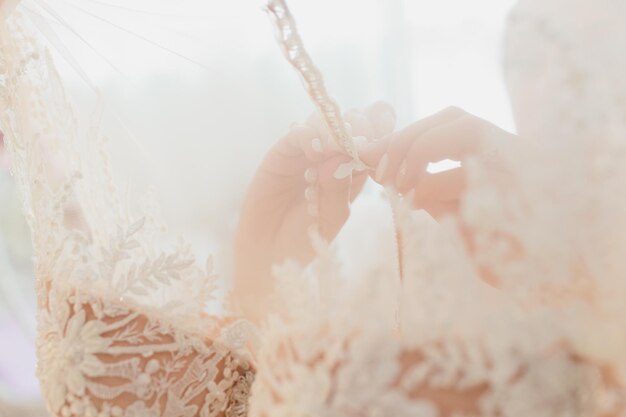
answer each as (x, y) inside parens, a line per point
(120, 321)
(122, 330)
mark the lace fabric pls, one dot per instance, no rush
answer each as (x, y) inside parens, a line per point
(121, 325)
(428, 350)
(122, 328)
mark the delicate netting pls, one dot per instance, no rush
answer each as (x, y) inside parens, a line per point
(121, 325)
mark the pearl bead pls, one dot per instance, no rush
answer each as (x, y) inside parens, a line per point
(310, 175)
(310, 194)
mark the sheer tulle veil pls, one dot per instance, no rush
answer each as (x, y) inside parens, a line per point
(123, 323)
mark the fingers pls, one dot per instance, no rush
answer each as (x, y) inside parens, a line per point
(454, 140)
(312, 141)
(401, 159)
(286, 157)
(404, 140)
(309, 145)
(372, 123)
(359, 125)
(369, 124)
(305, 139)
(336, 188)
(441, 187)
(316, 122)
(441, 209)
(388, 156)
(439, 194)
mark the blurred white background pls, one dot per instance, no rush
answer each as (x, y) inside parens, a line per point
(197, 90)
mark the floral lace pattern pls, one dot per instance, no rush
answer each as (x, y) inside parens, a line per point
(106, 351)
(547, 338)
(121, 325)
(461, 361)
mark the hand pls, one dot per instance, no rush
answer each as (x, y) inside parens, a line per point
(401, 159)
(281, 204)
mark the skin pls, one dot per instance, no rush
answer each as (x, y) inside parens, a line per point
(274, 221)
(274, 218)
(450, 134)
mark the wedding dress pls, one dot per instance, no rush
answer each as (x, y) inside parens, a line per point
(122, 327)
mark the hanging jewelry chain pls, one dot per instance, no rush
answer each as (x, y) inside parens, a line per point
(295, 52)
(293, 48)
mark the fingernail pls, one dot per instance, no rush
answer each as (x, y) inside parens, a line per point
(343, 171)
(381, 168)
(401, 174)
(310, 194)
(386, 122)
(316, 144)
(374, 148)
